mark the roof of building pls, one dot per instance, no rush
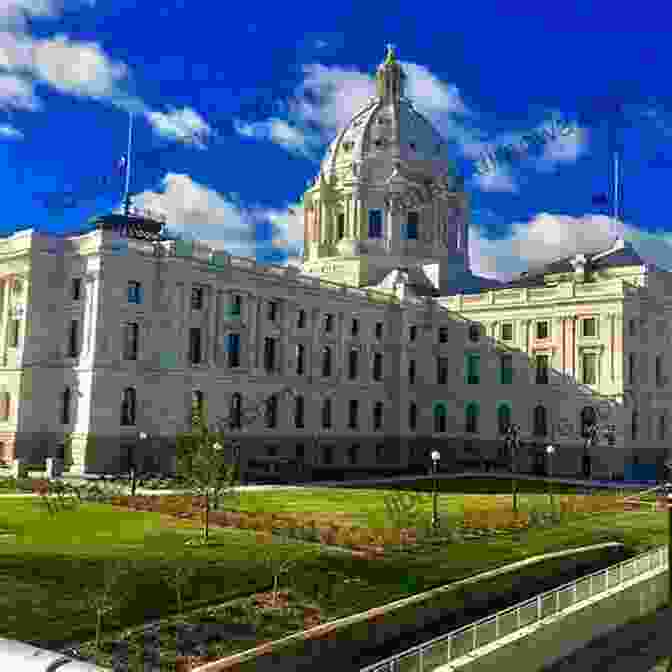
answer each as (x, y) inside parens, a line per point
(620, 254)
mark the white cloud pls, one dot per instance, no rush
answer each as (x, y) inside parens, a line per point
(277, 131)
(548, 237)
(77, 68)
(184, 125)
(17, 93)
(221, 221)
(10, 132)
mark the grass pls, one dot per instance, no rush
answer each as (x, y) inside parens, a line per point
(46, 567)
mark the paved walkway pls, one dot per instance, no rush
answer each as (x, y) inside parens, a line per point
(615, 485)
(631, 648)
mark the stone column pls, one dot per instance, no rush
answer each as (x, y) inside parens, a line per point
(5, 318)
(217, 349)
(185, 297)
(211, 342)
(315, 352)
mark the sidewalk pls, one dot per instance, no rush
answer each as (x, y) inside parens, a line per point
(614, 485)
(635, 647)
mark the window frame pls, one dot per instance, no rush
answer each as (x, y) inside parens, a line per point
(595, 360)
(233, 356)
(377, 372)
(76, 289)
(131, 347)
(74, 346)
(584, 322)
(372, 224)
(193, 342)
(134, 292)
(353, 414)
(442, 371)
(510, 325)
(546, 325)
(506, 372)
(299, 411)
(377, 416)
(538, 378)
(196, 301)
(353, 364)
(129, 407)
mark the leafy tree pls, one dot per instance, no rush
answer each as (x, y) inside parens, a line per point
(202, 462)
(403, 508)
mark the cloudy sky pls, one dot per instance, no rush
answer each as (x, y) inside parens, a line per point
(233, 109)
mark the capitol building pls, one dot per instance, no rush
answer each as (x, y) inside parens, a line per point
(382, 347)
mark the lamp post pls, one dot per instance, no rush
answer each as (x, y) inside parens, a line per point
(549, 451)
(512, 440)
(436, 456)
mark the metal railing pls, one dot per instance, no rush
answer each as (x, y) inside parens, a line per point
(453, 645)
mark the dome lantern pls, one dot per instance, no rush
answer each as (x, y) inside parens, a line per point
(390, 78)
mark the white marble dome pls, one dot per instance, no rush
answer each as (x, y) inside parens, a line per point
(387, 130)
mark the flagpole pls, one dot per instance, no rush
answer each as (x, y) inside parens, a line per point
(127, 194)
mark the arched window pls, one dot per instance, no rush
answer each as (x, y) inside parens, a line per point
(439, 418)
(540, 421)
(588, 418)
(326, 362)
(472, 418)
(503, 418)
(128, 407)
(236, 411)
(65, 408)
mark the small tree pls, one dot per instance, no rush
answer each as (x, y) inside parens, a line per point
(107, 596)
(277, 560)
(201, 461)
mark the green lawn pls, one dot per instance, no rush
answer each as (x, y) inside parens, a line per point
(46, 563)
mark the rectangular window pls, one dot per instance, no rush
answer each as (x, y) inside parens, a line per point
(353, 453)
(134, 292)
(196, 298)
(128, 407)
(590, 369)
(659, 371)
(65, 406)
(131, 331)
(631, 369)
(195, 345)
(589, 327)
(377, 366)
(412, 332)
(412, 416)
(327, 454)
(411, 228)
(442, 370)
(379, 330)
(235, 306)
(329, 323)
(506, 369)
(73, 344)
(272, 311)
(411, 372)
(271, 412)
(353, 357)
(375, 223)
(76, 289)
(378, 416)
(299, 409)
(380, 452)
(443, 334)
(542, 330)
(233, 350)
(300, 451)
(632, 327)
(301, 321)
(354, 327)
(326, 414)
(353, 414)
(473, 369)
(507, 331)
(341, 225)
(300, 359)
(542, 369)
(269, 354)
(326, 362)
(14, 330)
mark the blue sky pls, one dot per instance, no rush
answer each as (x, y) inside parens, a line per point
(244, 101)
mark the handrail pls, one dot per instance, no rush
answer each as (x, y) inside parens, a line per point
(389, 664)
